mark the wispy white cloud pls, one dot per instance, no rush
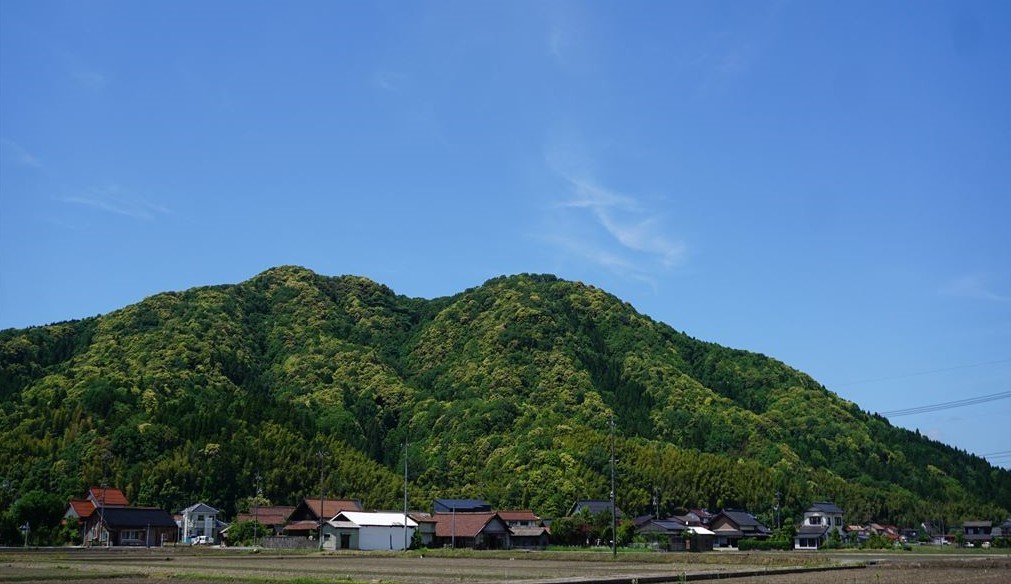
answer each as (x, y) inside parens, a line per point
(389, 80)
(13, 152)
(623, 217)
(113, 199)
(976, 286)
(605, 227)
(88, 78)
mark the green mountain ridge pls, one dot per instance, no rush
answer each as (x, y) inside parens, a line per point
(504, 391)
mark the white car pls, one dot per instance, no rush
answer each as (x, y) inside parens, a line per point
(202, 540)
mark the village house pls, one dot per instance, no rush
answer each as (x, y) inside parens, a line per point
(308, 515)
(674, 535)
(352, 530)
(137, 526)
(975, 533)
(86, 512)
(426, 527)
(199, 524)
(696, 517)
(595, 507)
(730, 527)
(471, 530)
(820, 520)
(272, 517)
(527, 530)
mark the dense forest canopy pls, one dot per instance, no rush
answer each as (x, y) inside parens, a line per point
(505, 392)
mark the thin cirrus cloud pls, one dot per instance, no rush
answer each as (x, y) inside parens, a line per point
(975, 286)
(113, 200)
(633, 241)
(15, 153)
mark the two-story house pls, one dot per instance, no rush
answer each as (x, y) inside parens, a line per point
(199, 524)
(730, 527)
(977, 532)
(527, 529)
(820, 520)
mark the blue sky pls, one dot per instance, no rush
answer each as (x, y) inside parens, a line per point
(827, 183)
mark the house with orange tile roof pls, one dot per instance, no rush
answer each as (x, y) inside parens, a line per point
(527, 530)
(485, 530)
(87, 511)
(308, 515)
(273, 517)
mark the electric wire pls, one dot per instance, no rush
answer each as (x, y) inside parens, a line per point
(947, 405)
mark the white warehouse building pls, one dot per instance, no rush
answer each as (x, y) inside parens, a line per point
(354, 530)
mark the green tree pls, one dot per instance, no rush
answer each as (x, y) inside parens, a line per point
(246, 533)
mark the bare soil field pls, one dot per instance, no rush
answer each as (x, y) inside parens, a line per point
(199, 566)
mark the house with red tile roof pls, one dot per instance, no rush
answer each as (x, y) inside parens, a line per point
(86, 511)
(308, 515)
(472, 530)
(273, 517)
(527, 530)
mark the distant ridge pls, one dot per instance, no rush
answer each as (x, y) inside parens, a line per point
(503, 392)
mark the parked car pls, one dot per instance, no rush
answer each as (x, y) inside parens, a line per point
(202, 540)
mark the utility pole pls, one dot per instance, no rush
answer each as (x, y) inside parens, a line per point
(322, 459)
(405, 496)
(614, 513)
(101, 515)
(256, 511)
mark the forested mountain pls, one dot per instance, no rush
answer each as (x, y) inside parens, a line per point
(504, 391)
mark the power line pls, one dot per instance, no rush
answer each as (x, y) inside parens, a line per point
(946, 405)
(918, 373)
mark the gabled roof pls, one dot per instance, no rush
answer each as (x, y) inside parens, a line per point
(421, 516)
(200, 508)
(307, 525)
(331, 507)
(136, 517)
(824, 507)
(595, 507)
(518, 515)
(375, 519)
(743, 521)
(81, 508)
(468, 524)
(267, 515)
(461, 505)
(670, 526)
(107, 496)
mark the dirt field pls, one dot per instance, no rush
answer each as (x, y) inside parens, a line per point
(192, 566)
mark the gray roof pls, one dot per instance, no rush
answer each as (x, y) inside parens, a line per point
(199, 508)
(663, 526)
(138, 517)
(747, 522)
(595, 507)
(825, 507)
(461, 505)
(812, 530)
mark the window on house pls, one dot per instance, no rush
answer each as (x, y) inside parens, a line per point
(838, 521)
(814, 520)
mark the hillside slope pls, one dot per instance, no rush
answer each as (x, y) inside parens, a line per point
(504, 391)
